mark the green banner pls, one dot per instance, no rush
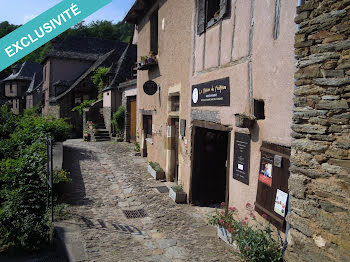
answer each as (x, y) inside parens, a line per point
(45, 27)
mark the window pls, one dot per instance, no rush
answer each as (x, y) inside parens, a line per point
(147, 125)
(259, 109)
(210, 12)
(44, 73)
(154, 32)
(175, 103)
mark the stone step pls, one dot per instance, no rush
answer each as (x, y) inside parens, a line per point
(102, 139)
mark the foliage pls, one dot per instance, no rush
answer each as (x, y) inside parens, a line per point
(7, 122)
(6, 28)
(61, 176)
(60, 212)
(102, 29)
(84, 104)
(99, 78)
(23, 214)
(156, 167)
(137, 147)
(118, 121)
(255, 242)
(178, 188)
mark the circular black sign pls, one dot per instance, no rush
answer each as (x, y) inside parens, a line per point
(150, 87)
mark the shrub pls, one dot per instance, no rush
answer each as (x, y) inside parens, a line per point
(23, 212)
(7, 122)
(137, 147)
(255, 242)
(61, 176)
(23, 220)
(178, 188)
(118, 121)
(84, 104)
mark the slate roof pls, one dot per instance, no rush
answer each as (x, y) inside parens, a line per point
(138, 11)
(34, 85)
(98, 63)
(83, 48)
(27, 71)
(124, 66)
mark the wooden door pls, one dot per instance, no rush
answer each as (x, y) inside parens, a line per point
(133, 121)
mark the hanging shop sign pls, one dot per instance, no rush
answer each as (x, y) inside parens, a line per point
(150, 87)
(213, 93)
(241, 157)
(280, 203)
(265, 174)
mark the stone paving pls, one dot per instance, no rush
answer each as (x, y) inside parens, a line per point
(109, 178)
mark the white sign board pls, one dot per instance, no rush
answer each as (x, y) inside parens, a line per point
(281, 203)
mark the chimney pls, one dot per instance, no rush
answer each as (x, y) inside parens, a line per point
(16, 69)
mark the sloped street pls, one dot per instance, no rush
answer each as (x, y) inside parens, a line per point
(107, 179)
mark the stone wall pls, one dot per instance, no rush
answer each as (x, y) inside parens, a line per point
(319, 183)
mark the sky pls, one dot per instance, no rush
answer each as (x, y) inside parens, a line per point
(21, 11)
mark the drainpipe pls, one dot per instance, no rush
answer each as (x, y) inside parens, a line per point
(300, 2)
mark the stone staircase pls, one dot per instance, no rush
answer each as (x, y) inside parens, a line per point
(102, 133)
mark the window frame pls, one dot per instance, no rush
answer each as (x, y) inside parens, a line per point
(202, 15)
(154, 31)
(147, 125)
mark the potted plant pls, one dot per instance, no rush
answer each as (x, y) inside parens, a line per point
(87, 136)
(253, 239)
(177, 194)
(92, 126)
(60, 180)
(155, 170)
(244, 120)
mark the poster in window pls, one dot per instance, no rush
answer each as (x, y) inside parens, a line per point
(265, 174)
(281, 203)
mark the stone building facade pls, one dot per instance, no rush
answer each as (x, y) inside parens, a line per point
(320, 165)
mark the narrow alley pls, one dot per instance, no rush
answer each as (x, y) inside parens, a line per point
(108, 179)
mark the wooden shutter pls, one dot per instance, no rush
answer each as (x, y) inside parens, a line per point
(201, 17)
(154, 31)
(223, 8)
(266, 194)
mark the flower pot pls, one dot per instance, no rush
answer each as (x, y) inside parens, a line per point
(155, 174)
(60, 188)
(86, 137)
(244, 120)
(177, 197)
(226, 236)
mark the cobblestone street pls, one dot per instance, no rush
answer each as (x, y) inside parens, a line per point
(107, 179)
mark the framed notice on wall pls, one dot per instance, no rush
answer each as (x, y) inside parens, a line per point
(241, 157)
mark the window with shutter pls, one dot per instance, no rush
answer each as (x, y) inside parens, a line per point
(210, 12)
(154, 32)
